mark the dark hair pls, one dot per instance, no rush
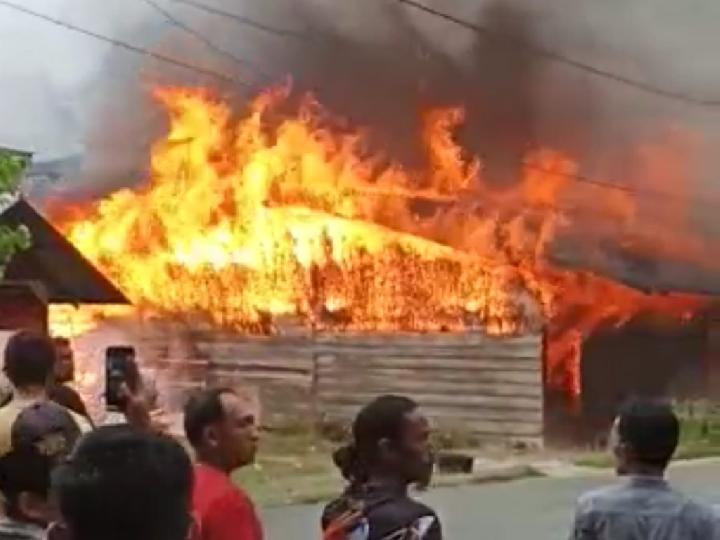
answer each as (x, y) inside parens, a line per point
(29, 358)
(383, 418)
(121, 483)
(61, 341)
(203, 409)
(650, 429)
(24, 471)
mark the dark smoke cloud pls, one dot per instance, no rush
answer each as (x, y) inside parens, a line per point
(386, 82)
(380, 65)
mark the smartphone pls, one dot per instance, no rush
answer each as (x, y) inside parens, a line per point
(120, 368)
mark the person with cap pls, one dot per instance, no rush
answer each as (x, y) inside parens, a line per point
(42, 435)
(29, 363)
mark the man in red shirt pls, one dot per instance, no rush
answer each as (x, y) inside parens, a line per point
(222, 429)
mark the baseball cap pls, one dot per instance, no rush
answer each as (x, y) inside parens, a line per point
(42, 436)
(46, 428)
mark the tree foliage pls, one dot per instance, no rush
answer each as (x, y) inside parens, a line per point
(12, 239)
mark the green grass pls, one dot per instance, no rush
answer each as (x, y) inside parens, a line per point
(700, 435)
(295, 466)
(292, 467)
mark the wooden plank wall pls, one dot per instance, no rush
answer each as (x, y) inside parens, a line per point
(490, 387)
(280, 369)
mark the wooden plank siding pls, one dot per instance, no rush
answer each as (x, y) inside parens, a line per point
(488, 386)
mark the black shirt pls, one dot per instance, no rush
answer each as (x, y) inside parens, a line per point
(389, 511)
(68, 398)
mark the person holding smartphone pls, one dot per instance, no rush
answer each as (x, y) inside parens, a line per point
(128, 398)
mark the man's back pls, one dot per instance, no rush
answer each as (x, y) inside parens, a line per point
(389, 513)
(643, 508)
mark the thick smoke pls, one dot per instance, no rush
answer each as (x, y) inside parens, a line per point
(402, 60)
(381, 64)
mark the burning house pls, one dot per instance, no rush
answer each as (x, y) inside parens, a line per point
(273, 249)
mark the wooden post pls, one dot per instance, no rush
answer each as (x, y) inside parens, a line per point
(315, 392)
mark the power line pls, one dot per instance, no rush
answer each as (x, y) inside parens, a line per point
(126, 46)
(207, 42)
(614, 186)
(563, 59)
(607, 184)
(204, 71)
(552, 55)
(246, 21)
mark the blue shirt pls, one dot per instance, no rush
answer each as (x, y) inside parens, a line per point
(643, 508)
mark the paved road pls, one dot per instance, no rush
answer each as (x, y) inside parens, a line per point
(537, 509)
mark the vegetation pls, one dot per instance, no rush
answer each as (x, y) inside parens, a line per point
(291, 468)
(11, 239)
(295, 466)
(700, 435)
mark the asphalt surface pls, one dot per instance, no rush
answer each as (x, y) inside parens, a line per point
(537, 509)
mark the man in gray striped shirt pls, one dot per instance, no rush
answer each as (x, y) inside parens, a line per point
(644, 507)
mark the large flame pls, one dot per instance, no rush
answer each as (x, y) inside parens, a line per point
(279, 213)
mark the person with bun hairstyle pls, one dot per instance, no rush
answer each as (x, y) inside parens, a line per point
(390, 453)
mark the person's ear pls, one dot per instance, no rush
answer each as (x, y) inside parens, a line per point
(34, 506)
(211, 436)
(385, 449)
(621, 451)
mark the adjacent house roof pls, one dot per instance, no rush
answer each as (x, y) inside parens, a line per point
(651, 274)
(15, 152)
(54, 261)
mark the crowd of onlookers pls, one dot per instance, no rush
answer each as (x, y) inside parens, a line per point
(61, 477)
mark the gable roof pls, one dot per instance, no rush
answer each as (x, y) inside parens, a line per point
(53, 260)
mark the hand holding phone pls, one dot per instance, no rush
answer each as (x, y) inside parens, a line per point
(122, 377)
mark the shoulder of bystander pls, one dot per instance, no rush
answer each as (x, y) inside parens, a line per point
(69, 398)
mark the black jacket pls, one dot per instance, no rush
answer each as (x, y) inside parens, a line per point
(68, 398)
(389, 511)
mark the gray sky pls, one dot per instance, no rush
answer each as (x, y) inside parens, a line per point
(52, 80)
(47, 71)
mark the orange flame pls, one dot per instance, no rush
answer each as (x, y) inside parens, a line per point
(274, 216)
(287, 214)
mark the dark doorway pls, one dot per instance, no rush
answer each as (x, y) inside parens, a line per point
(642, 358)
